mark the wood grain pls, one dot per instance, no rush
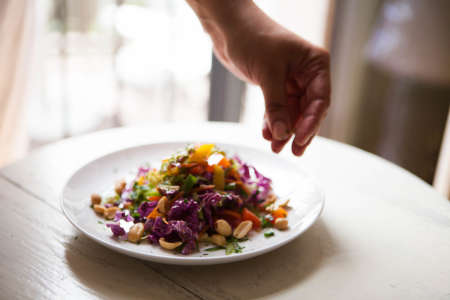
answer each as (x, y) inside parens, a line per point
(44, 257)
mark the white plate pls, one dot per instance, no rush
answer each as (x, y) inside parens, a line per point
(100, 175)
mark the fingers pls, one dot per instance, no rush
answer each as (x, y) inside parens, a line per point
(309, 122)
(299, 150)
(266, 131)
(277, 146)
(317, 99)
(277, 109)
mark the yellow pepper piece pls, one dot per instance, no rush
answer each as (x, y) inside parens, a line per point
(219, 178)
(141, 180)
(202, 153)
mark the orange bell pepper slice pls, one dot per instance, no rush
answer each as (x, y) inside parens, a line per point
(279, 213)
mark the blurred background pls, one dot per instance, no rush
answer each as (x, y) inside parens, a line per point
(69, 67)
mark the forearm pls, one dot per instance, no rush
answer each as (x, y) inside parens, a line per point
(227, 20)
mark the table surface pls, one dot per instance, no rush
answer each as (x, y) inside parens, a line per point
(384, 233)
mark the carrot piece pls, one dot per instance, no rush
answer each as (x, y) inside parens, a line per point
(155, 213)
(203, 187)
(233, 173)
(248, 215)
(224, 162)
(189, 165)
(279, 213)
(231, 216)
(154, 198)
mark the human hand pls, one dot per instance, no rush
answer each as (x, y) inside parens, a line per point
(293, 74)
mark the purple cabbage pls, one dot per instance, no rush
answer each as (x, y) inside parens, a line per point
(186, 210)
(142, 171)
(123, 215)
(210, 201)
(116, 229)
(251, 176)
(146, 208)
(172, 231)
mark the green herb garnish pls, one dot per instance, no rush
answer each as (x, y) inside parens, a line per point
(189, 183)
(269, 234)
(215, 248)
(233, 245)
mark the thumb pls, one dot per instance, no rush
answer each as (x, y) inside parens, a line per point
(277, 109)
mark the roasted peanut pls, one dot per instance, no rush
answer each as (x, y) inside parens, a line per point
(135, 233)
(219, 240)
(110, 212)
(100, 209)
(120, 186)
(242, 229)
(127, 205)
(169, 245)
(203, 237)
(96, 199)
(281, 223)
(163, 205)
(222, 227)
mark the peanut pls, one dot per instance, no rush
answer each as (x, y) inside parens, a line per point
(163, 205)
(96, 199)
(281, 223)
(136, 232)
(203, 237)
(242, 229)
(110, 212)
(222, 227)
(219, 240)
(100, 209)
(169, 245)
(126, 205)
(120, 186)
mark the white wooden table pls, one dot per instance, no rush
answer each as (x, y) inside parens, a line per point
(384, 233)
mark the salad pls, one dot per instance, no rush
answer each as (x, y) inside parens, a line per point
(198, 195)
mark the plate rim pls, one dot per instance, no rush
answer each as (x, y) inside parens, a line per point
(187, 260)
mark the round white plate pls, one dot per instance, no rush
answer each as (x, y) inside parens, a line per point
(100, 175)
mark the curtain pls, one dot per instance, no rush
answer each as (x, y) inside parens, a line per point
(16, 27)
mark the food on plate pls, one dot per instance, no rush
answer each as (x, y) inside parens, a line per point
(198, 195)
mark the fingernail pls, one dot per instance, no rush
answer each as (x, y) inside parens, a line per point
(280, 130)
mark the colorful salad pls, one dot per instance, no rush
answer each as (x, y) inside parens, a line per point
(199, 195)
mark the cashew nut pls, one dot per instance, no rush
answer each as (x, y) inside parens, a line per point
(169, 245)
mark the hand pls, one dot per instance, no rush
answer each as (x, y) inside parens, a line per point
(293, 74)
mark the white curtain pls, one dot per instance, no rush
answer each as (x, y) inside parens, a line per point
(16, 40)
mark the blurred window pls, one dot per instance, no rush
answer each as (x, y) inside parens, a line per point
(106, 63)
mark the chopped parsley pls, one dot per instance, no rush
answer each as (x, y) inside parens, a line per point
(269, 234)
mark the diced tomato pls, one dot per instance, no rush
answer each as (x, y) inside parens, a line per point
(248, 215)
(197, 170)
